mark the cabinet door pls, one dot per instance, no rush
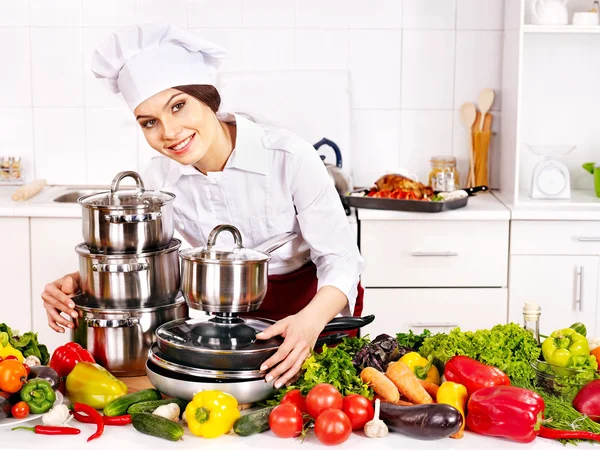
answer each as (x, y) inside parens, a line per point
(565, 287)
(437, 309)
(14, 273)
(53, 242)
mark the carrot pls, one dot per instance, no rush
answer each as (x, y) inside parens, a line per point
(407, 383)
(399, 402)
(380, 384)
(431, 388)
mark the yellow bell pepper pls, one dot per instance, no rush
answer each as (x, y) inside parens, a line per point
(8, 350)
(93, 385)
(211, 413)
(454, 394)
(423, 368)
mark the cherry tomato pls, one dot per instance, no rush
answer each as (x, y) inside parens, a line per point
(295, 398)
(285, 421)
(333, 427)
(321, 397)
(358, 409)
(12, 375)
(27, 369)
(20, 410)
(11, 357)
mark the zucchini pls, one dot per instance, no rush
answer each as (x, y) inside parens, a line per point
(157, 426)
(151, 405)
(253, 422)
(119, 406)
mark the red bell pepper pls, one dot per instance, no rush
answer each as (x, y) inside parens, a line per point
(474, 375)
(66, 356)
(506, 411)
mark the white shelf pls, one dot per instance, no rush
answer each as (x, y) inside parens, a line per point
(534, 29)
(579, 198)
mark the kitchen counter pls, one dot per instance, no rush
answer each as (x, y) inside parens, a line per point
(583, 205)
(480, 207)
(40, 205)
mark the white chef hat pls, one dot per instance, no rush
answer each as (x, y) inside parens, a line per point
(142, 60)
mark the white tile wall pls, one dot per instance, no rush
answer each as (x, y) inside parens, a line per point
(412, 64)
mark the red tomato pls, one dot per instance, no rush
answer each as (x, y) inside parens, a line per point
(358, 409)
(285, 421)
(11, 357)
(295, 398)
(321, 397)
(20, 410)
(333, 427)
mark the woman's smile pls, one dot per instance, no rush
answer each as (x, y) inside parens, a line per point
(182, 146)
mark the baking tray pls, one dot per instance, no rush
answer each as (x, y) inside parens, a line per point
(393, 204)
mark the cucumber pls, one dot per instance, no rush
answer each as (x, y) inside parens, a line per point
(151, 405)
(157, 426)
(119, 406)
(253, 423)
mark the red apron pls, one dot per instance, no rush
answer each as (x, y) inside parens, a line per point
(289, 293)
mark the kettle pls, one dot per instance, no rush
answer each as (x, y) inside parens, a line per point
(550, 12)
(340, 180)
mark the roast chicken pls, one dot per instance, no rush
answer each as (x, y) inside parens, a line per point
(399, 186)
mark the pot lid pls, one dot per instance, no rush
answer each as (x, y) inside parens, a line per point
(118, 199)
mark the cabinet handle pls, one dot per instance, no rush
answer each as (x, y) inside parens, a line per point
(589, 239)
(580, 288)
(434, 325)
(434, 254)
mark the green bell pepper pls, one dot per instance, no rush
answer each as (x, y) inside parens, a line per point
(39, 395)
(569, 349)
(580, 328)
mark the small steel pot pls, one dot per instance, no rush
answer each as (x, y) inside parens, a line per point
(227, 281)
(129, 281)
(119, 339)
(127, 221)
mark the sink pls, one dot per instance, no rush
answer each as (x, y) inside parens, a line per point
(72, 196)
(66, 195)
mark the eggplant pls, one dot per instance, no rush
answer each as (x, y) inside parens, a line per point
(425, 422)
(45, 373)
(5, 407)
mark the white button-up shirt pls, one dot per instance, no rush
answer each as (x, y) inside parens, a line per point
(274, 182)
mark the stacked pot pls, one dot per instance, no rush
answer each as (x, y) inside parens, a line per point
(129, 269)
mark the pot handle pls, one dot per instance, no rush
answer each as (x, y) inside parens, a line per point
(275, 242)
(120, 268)
(114, 187)
(348, 323)
(132, 218)
(330, 340)
(212, 237)
(114, 323)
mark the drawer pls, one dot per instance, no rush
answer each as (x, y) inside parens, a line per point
(435, 253)
(436, 309)
(560, 237)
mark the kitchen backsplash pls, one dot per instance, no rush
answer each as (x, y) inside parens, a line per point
(412, 63)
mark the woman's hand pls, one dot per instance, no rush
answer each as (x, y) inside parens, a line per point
(57, 298)
(300, 332)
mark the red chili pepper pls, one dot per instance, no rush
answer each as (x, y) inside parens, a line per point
(550, 433)
(506, 411)
(66, 356)
(473, 374)
(42, 429)
(117, 420)
(92, 414)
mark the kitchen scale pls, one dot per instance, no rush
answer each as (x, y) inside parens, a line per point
(551, 178)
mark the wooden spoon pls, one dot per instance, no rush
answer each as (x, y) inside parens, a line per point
(468, 114)
(485, 101)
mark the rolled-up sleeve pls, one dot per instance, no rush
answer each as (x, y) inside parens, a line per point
(324, 224)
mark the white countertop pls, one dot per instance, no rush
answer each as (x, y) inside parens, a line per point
(480, 207)
(40, 205)
(127, 437)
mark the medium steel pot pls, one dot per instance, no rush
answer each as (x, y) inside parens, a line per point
(119, 339)
(126, 221)
(227, 281)
(129, 281)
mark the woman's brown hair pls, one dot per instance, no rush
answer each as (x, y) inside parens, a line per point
(205, 93)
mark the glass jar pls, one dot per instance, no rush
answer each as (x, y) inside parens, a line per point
(444, 176)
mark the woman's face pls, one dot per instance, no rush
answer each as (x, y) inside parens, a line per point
(177, 125)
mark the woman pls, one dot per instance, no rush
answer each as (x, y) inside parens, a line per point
(224, 168)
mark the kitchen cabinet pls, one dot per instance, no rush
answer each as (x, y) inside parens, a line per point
(566, 288)
(53, 242)
(435, 309)
(14, 273)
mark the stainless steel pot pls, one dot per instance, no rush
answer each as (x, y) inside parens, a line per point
(119, 339)
(227, 281)
(130, 280)
(126, 221)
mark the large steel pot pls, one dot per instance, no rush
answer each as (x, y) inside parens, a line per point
(130, 281)
(119, 339)
(227, 281)
(127, 221)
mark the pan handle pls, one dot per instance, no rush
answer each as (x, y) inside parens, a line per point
(330, 339)
(348, 323)
(473, 190)
(275, 242)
